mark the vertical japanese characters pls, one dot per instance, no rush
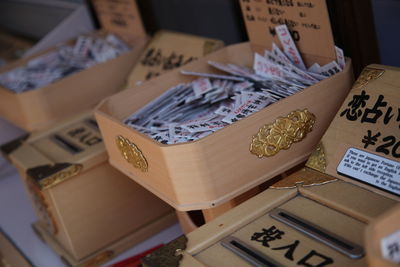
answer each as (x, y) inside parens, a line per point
(370, 110)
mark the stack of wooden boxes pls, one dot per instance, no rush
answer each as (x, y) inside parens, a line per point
(88, 211)
(73, 187)
(342, 210)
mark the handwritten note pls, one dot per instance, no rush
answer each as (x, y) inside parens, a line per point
(308, 23)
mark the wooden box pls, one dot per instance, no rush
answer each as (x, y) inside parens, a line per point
(215, 169)
(36, 109)
(168, 50)
(88, 211)
(382, 239)
(317, 216)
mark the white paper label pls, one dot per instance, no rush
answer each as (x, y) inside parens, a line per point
(340, 57)
(372, 169)
(390, 247)
(289, 46)
(201, 86)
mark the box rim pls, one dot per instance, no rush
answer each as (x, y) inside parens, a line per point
(107, 101)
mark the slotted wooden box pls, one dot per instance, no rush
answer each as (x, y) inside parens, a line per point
(88, 211)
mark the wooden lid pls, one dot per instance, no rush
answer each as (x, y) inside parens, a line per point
(308, 22)
(54, 155)
(120, 16)
(362, 144)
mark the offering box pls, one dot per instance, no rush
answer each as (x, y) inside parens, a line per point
(88, 211)
(212, 170)
(318, 216)
(41, 107)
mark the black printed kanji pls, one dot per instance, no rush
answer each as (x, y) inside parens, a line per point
(290, 249)
(76, 131)
(84, 137)
(267, 235)
(372, 115)
(92, 141)
(393, 249)
(323, 260)
(246, 111)
(189, 60)
(250, 17)
(173, 61)
(353, 112)
(388, 115)
(151, 74)
(369, 139)
(252, 107)
(152, 58)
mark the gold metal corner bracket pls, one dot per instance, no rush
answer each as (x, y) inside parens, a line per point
(47, 176)
(131, 153)
(367, 75)
(317, 160)
(304, 178)
(282, 133)
(167, 256)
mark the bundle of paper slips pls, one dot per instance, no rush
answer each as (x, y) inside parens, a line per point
(190, 111)
(62, 62)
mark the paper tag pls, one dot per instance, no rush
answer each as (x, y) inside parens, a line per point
(212, 75)
(223, 111)
(371, 169)
(308, 22)
(204, 126)
(330, 69)
(289, 46)
(390, 247)
(265, 69)
(120, 16)
(82, 46)
(340, 57)
(201, 86)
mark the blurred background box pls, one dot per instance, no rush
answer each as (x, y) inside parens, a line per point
(41, 107)
(31, 26)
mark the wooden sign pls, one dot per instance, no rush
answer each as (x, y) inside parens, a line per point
(169, 50)
(307, 20)
(120, 16)
(362, 143)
